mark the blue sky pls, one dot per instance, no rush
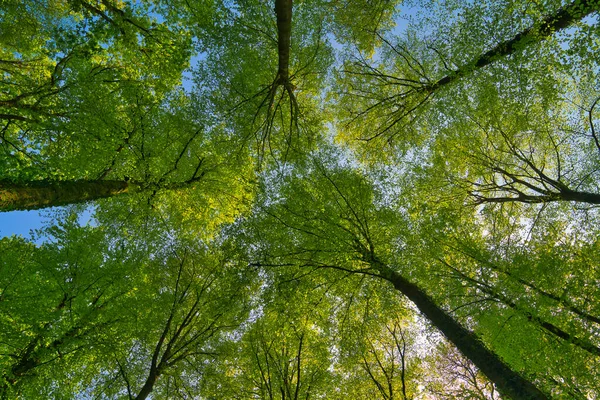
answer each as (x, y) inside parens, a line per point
(24, 222)
(20, 222)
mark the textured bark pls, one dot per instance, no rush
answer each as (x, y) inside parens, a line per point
(563, 18)
(508, 382)
(40, 194)
(582, 197)
(34, 195)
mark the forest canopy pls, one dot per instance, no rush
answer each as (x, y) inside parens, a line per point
(366, 199)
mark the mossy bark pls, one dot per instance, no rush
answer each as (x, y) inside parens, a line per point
(41, 194)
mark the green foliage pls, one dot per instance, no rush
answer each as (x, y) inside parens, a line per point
(264, 214)
(61, 303)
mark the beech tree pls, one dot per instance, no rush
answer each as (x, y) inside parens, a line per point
(60, 303)
(297, 199)
(342, 222)
(169, 348)
(386, 97)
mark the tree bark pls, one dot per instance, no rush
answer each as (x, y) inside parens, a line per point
(41, 194)
(582, 197)
(508, 382)
(563, 195)
(33, 195)
(148, 386)
(283, 10)
(563, 18)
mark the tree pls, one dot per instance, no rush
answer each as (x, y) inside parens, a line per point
(283, 123)
(380, 364)
(113, 321)
(517, 170)
(300, 199)
(277, 361)
(199, 309)
(60, 303)
(353, 221)
(390, 94)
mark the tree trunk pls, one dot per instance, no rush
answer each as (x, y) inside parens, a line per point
(582, 197)
(562, 195)
(563, 18)
(283, 10)
(148, 386)
(34, 195)
(508, 382)
(41, 194)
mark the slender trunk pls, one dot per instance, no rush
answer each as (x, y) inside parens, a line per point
(403, 365)
(148, 385)
(283, 10)
(41, 194)
(299, 363)
(508, 382)
(563, 18)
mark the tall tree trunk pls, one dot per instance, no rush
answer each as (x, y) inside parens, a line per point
(148, 385)
(563, 18)
(508, 382)
(41, 194)
(283, 10)
(578, 196)
(34, 195)
(562, 195)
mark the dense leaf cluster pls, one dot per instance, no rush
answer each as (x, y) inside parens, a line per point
(310, 199)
